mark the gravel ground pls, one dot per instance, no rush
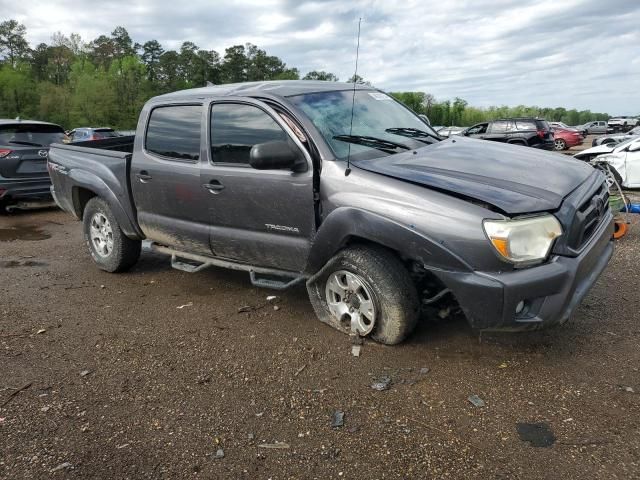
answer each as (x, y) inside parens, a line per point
(155, 374)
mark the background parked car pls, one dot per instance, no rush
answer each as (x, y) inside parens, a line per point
(531, 132)
(85, 134)
(621, 124)
(564, 126)
(596, 127)
(624, 161)
(24, 148)
(563, 139)
(615, 138)
(125, 133)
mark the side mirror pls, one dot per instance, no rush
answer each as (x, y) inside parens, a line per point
(276, 155)
(425, 119)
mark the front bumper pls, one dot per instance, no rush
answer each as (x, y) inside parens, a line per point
(25, 189)
(551, 291)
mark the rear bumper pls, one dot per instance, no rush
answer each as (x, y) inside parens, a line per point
(550, 292)
(25, 189)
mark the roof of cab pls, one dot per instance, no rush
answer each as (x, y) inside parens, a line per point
(281, 88)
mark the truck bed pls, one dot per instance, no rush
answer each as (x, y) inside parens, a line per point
(99, 166)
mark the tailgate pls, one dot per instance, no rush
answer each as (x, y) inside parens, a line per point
(24, 162)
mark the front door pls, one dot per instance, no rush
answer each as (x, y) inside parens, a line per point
(165, 179)
(259, 217)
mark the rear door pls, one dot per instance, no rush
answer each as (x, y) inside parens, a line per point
(259, 217)
(24, 149)
(165, 179)
(500, 131)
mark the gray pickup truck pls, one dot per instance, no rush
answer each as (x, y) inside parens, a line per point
(343, 188)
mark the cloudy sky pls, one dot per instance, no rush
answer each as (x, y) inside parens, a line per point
(582, 54)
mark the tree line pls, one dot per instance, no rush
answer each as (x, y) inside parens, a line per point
(106, 81)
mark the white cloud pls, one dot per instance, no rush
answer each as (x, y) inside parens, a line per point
(577, 54)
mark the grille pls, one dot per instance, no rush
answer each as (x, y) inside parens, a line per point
(588, 217)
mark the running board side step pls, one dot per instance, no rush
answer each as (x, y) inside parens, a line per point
(260, 276)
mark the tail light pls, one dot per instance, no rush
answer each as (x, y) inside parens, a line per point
(4, 152)
(92, 137)
(541, 133)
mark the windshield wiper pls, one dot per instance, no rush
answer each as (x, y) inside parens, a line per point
(373, 142)
(18, 142)
(412, 133)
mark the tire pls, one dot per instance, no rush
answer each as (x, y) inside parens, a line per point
(383, 278)
(559, 144)
(110, 248)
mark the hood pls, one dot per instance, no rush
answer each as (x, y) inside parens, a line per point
(599, 150)
(515, 179)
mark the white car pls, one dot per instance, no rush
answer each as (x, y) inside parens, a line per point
(624, 160)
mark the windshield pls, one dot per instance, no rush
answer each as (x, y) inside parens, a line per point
(30, 134)
(375, 116)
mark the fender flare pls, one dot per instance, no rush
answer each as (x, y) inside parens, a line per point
(345, 224)
(93, 183)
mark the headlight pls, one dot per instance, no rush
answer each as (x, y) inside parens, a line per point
(523, 241)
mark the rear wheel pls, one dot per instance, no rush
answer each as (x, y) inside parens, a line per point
(559, 144)
(110, 248)
(369, 287)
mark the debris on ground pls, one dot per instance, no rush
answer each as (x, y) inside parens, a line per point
(190, 304)
(383, 383)
(220, 453)
(626, 388)
(14, 393)
(276, 308)
(84, 373)
(45, 409)
(275, 446)
(337, 420)
(299, 371)
(42, 330)
(476, 401)
(251, 436)
(355, 350)
(271, 298)
(424, 370)
(502, 365)
(203, 379)
(536, 434)
(62, 466)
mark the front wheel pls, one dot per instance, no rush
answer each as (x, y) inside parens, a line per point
(110, 248)
(366, 287)
(559, 144)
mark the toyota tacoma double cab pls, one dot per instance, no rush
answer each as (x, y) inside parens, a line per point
(343, 188)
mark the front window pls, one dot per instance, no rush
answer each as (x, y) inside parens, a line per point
(236, 128)
(378, 120)
(31, 134)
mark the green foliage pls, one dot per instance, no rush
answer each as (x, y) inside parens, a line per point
(106, 81)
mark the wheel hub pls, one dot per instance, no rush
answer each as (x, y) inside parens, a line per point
(350, 301)
(101, 234)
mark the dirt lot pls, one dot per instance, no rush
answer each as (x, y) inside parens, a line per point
(155, 374)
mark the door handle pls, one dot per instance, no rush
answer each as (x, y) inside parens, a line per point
(214, 186)
(143, 176)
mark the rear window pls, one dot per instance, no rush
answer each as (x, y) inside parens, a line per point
(174, 132)
(30, 134)
(544, 125)
(501, 126)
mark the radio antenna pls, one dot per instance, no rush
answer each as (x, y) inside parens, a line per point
(353, 101)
